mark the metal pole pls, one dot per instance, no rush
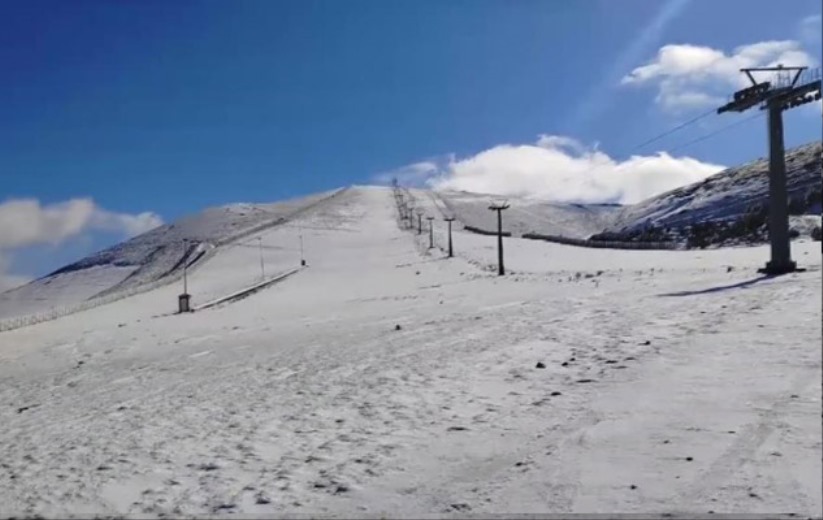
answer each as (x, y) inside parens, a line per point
(262, 269)
(501, 270)
(431, 232)
(302, 257)
(499, 207)
(784, 95)
(451, 251)
(781, 261)
(185, 265)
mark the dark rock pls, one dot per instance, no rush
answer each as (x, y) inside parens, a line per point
(585, 380)
(456, 429)
(564, 364)
(556, 393)
(647, 342)
(209, 466)
(632, 487)
(689, 459)
(341, 488)
(729, 269)
(540, 364)
(398, 327)
(103, 467)
(262, 500)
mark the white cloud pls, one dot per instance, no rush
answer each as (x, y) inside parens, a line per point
(27, 222)
(562, 169)
(125, 223)
(691, 76)
(410, 175)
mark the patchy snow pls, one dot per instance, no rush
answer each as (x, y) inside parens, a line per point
(387, 380)
(804, 224)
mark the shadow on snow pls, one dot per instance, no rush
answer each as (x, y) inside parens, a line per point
(721, 288)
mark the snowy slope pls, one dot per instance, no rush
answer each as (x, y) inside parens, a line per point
(727, 195)
(526, 215)
(148, 257)
(387, 381)
(160, 253)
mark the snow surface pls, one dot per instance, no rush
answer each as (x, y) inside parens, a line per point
(61, 289)
(697, 384)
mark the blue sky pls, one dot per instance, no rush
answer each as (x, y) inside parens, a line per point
(155, 109)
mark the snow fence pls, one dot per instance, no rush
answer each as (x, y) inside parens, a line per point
(602, 244)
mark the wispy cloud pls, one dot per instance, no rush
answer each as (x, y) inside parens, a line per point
(601, 94)
(811, 29)
(692, 76)
(562, 169)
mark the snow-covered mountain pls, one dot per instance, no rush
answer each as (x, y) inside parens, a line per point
(158, 256)
(727, 195)
(525, 215)
(150, 257)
